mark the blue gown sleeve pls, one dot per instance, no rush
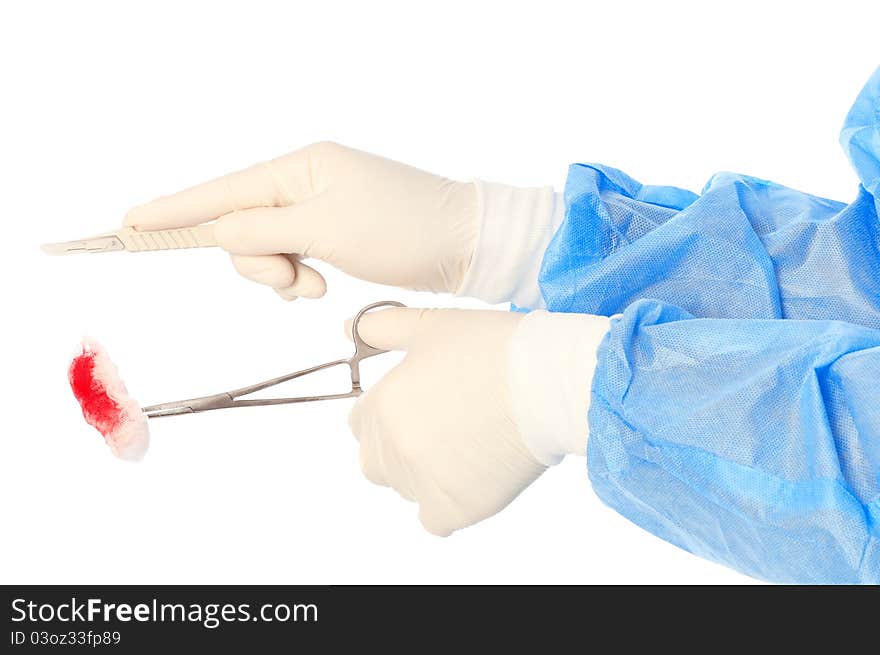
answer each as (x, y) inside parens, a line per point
(752, 443)
(743, 248)
(860, 136)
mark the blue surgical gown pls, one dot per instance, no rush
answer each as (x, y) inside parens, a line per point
(735, 406)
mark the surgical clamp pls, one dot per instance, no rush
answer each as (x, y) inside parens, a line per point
(229, 399)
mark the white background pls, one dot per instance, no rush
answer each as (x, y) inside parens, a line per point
(105, 105)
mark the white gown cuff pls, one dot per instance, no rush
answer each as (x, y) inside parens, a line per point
(551, 361)
(516, 225)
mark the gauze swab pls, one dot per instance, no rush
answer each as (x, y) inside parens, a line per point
(106, 404)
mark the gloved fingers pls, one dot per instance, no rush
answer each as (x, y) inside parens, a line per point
(393, 328)
(285, 273)
(383, 463)
(438, 513)
(275, 271)
(371, 460)
(398, 474)
(256, 186)
(308, 228)
(365, 426)
(381, 460)
(308, 283)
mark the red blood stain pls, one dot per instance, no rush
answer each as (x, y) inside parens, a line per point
(99, 409)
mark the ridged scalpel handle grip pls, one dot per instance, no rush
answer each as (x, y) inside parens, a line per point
(200, 236)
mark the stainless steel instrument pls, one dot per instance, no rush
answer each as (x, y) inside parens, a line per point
(229, 399)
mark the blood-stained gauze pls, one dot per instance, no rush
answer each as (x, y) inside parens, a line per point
(106, 404)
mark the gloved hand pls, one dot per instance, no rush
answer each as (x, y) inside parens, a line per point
(482, 403)
(373, 218)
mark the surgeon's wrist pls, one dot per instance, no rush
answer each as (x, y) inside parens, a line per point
(551, 361)
(516, 225)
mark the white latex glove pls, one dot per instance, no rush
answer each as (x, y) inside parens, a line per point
(373, 218)
(482, 403)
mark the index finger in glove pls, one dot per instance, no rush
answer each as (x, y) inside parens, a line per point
(261, 185)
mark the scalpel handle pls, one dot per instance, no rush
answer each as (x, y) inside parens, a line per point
(200, 236)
